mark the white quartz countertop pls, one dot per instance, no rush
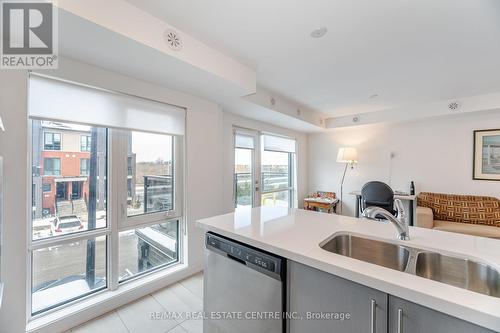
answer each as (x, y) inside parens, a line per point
(296, 234)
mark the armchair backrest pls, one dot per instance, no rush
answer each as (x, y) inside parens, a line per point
(378, 194)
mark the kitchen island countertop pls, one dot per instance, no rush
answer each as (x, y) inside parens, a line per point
(295, 234)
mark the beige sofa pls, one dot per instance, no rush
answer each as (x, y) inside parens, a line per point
(466, 214)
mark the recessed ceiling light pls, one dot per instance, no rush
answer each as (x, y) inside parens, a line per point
(318, 33)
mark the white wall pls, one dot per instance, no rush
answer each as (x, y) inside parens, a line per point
(229, 121)
(13, 143)
(435, 153)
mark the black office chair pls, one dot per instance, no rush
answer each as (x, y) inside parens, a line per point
(378, 194)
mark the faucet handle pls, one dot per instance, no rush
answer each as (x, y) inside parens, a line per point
(400, 208)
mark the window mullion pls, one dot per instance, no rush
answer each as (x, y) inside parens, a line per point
(66, 239)
(117, 179)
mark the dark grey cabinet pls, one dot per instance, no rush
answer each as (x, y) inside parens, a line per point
(312, 292)
(322, 300)
(408, 317)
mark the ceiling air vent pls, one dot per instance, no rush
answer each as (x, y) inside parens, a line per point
(172, 39)
(454, 106)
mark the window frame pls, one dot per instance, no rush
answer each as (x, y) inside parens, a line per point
(252, 178)
(256, 165)
(179, 245)
(52, 133)
(52, 172)
(117, 220)
(36, 244)
(88, 141)
(291, 189)
(136, 221)
(82, 236)
(87, 162)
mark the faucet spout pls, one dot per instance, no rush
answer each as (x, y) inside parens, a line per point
(400, 223)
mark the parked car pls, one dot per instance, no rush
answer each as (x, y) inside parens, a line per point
(66, 224)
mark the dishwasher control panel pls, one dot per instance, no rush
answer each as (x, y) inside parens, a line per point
(243, 253)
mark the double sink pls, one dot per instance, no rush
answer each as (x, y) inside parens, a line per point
(453, 270)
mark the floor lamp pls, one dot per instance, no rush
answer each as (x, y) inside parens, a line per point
(348, 156)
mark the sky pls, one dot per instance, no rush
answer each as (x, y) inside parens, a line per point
(150, 147)
(244, 157)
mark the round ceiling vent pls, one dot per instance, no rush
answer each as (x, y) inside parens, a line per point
(454, 106)
(172, 39)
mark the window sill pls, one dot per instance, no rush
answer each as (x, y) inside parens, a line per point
(105, 301)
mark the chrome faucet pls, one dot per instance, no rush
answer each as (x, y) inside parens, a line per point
(400, 222)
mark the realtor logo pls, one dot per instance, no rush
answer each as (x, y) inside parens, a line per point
(29, 39)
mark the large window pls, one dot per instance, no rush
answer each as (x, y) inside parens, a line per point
(52, 141)
(72, 235)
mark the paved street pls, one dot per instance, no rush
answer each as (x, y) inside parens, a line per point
(70, 259)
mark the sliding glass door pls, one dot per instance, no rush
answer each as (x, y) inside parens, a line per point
(264, 170)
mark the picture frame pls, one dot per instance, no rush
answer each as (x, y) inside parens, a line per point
(486, 155)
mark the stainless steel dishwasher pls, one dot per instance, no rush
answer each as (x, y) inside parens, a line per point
(244, 288)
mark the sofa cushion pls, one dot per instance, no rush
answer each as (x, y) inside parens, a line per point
(462, 208)
(425, 218)
(469, 229)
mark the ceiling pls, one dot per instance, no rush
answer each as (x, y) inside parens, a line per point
(405, 51)
(117, 52)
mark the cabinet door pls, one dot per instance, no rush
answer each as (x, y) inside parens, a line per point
(408, 317)
(311, 291)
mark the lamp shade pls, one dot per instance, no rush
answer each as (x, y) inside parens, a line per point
(347, 155)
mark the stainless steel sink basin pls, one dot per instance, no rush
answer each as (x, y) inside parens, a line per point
(453, 270)
(369, 250)
(458, 272)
